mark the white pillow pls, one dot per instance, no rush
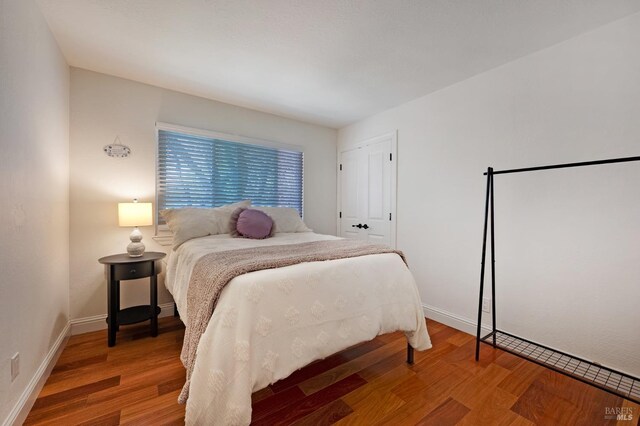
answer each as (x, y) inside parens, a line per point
(189, 222)
(285, 219)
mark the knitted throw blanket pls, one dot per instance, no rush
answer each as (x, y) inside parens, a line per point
(214, 271)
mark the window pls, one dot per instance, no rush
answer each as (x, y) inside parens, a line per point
(203, 171)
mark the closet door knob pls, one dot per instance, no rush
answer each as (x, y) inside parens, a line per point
(358, 226)
(365, 226)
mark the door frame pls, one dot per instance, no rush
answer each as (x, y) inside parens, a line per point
(393, 135)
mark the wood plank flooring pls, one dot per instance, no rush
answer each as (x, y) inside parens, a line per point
(137, 382)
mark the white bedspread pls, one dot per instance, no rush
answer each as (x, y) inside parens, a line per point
(270, 323)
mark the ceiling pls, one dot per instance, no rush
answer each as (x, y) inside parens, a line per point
(329, 62)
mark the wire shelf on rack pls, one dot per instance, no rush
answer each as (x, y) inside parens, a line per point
(605, 378)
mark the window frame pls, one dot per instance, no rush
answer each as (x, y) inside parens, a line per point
(163, 230)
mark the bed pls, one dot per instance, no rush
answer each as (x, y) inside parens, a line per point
(270, 323)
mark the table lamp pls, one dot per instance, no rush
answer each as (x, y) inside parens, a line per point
(135, 214)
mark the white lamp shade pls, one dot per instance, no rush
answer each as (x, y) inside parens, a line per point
(135, 214)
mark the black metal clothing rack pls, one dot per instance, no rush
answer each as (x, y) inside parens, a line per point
(594, 374)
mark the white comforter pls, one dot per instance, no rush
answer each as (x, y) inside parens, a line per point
(270, 323)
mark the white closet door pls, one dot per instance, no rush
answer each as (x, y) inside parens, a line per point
(367, 191)
(377, 210)
(351, 193)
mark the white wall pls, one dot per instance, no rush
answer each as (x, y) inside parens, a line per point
(567, 241)
(103, 107)
(34, 218)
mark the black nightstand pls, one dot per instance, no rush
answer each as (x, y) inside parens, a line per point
(122, 267)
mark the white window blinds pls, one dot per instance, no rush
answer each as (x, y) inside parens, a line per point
(196, 171)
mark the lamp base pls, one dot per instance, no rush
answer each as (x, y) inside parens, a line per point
(135, 247)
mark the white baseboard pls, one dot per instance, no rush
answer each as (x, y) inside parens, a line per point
(452, 320)
(98, 322)
(21, 410)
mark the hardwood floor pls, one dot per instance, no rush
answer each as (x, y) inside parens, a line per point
(138, 382)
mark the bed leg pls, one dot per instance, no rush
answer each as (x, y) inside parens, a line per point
(409, 354)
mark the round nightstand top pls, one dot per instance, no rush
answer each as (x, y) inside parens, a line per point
(125, 258)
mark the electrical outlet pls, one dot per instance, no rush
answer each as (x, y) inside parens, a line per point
(15, 366)
(486, 305)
